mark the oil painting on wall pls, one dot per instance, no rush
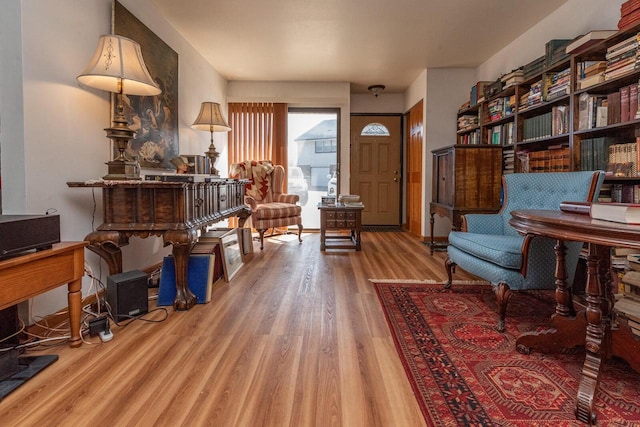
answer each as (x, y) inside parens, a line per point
(154, 118)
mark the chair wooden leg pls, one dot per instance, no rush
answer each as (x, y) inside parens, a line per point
(262, 231)
(300, 233)
(503, 294)
(450, 267)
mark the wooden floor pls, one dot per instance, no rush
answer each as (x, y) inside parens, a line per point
(297, 338)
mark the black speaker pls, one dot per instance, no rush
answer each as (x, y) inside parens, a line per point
(127, 294)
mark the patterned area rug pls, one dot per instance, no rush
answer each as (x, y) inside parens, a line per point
(464, 373)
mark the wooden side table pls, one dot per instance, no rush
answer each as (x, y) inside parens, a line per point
(337, 218)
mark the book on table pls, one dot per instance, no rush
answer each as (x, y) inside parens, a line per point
(627, 213)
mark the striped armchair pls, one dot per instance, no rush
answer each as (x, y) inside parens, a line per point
(271, 208)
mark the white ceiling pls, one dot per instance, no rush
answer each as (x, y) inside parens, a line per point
(362, 42)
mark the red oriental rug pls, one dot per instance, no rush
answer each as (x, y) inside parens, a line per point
(465, 373)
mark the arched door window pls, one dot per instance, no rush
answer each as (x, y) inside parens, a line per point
(375, 129)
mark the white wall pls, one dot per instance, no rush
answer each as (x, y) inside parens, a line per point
(573, 18)
(63, 122)
(385, 103)
(302, 94)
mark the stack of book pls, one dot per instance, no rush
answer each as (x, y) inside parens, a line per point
(590, 73)
(533, 97)
(556, 85)
(622, 58)
(628, 304)
(513, 78)
(468, 122)
(629, 14)
(508, 162)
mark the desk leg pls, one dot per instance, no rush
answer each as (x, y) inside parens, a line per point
(182, 242)
(567, 329)
(431, 223)
(74, 298)
(594, 337)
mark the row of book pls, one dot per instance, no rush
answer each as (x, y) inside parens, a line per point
(501, 107)
(619, 193)
(623, 160)
(552, 123)
(513, 78)
(556, 159)
(501, 134)
(470, 138)
(594, 153)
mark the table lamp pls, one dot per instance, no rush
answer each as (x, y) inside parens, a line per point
(117, 66)
(211, 119)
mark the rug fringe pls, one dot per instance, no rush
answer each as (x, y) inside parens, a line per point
(430, 281)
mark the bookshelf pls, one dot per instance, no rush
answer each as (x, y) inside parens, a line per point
(549, 121)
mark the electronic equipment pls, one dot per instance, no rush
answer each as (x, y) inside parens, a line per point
(127, 294)
(21, 233)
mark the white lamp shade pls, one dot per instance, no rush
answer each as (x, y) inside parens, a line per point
(119, 59)
(210, 118)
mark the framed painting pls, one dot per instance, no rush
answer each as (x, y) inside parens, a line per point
(153, 118)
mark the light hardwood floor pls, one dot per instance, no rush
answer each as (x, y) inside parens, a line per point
(297, 338)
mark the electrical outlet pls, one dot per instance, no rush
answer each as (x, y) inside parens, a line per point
(97, 325)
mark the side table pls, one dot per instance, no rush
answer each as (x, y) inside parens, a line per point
(340, 217)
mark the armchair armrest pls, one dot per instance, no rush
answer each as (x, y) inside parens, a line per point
(248, 200)
(286, 198)
(484, 223)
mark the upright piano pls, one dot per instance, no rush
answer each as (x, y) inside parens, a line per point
(173, 210)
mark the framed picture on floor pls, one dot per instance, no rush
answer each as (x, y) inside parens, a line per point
(231, 249)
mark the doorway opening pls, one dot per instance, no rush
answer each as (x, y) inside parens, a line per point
(313, 147)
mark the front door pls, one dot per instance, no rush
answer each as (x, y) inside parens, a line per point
(376, 153)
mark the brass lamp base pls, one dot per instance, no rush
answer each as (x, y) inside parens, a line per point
(121, 171)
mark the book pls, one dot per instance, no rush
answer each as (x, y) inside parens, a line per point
(628, 213)
(589, 39)
(629, 308)
(199, 277)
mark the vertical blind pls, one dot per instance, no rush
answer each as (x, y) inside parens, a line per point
(258, 132)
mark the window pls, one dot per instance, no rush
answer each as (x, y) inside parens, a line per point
(375, 129)
(327, 146)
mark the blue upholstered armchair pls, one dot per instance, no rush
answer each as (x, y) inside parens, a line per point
(491, 249)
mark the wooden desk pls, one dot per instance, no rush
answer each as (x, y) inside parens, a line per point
(173, 210)
(597, 327)
(26, 276)
(340, 217)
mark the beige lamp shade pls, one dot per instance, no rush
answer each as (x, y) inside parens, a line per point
(117, 66)
(211, 119)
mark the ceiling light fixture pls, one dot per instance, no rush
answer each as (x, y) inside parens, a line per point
(376, 89)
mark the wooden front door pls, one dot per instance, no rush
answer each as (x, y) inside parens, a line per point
(376, 158)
